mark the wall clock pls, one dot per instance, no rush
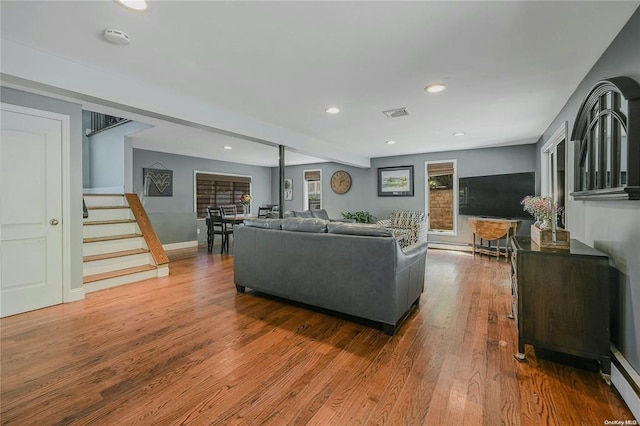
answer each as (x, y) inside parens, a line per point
(341, 182)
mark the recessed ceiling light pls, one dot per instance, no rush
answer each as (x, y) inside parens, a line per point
(228, 147)
(435, 88)
(138, 5)
(390, 142)
(459, 134)
(332, 110)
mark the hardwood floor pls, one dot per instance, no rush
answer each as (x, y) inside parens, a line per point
(186, 349)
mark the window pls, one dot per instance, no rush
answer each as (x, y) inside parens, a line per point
(606, 161)
(442, 203)
(312, 189)
(213, 189)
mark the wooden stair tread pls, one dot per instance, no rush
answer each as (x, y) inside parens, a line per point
(114, 255)
(117, 273)
(107, 207)
(109, 222)
(102, 195)
(111, 238)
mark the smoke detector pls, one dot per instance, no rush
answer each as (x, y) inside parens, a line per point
(396, 112)
(117, 37)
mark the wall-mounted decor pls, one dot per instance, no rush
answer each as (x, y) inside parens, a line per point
(341, 182)
(395, 181)
(157, 182)
(607, 137)
(288, 189)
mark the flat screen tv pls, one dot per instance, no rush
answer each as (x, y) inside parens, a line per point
(496, 195)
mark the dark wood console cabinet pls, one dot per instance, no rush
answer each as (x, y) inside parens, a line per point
(561, 300)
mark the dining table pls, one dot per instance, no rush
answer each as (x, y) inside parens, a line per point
(237, 219)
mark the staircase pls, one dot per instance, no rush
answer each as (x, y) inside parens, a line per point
(115, 249)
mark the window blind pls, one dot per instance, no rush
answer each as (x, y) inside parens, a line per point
(312, 175)
(440, 169)
(219, 190)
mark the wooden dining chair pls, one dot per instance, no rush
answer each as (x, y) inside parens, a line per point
(215, 226)
(228, 215)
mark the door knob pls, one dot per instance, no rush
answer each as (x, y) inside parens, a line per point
(54, 222)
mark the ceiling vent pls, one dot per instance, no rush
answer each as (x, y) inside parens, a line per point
(397, 112)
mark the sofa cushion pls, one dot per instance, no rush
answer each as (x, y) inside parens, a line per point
(362, 229)
(303, 214)
(299, 224)
(320, 214)
(264, 223)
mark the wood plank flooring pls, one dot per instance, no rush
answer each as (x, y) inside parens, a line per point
(187, 349)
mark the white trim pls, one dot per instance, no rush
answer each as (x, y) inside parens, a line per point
(618, 379)
(558, 136)
(76, 294)
(105, 190)
(437, 245)
(453, 232)
(178, 246)
(65, 123)
(550, 147)
(305, 188)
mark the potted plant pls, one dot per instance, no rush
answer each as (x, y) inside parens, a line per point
(360, 217)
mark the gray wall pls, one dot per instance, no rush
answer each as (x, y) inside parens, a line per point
(473, 162)
(335, 204)
(610, 226)
(107, 155)
(363, 194)
(74, 219)
(173, 218)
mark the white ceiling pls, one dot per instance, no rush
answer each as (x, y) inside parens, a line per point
(268, 70)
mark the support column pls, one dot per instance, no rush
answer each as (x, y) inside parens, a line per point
(281, 183)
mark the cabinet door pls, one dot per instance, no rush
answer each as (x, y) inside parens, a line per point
(565, 303)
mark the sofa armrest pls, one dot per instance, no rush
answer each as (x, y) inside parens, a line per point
(384, 222)
(422, 231)
(411, 253)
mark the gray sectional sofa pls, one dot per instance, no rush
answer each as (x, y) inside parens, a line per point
(355, 269)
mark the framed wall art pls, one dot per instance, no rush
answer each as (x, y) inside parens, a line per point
(288, 189)
(157, 182)
(395, 181)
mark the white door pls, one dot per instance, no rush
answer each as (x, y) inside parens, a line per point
(30, 212)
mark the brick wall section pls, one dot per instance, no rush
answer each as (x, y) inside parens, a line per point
(441, 208)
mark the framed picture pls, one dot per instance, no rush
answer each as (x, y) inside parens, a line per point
(288, 189)
(157, 182)
(395, 181)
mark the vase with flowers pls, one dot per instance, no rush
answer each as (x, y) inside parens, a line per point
(545, 232)
(245, 200)
(542, 208)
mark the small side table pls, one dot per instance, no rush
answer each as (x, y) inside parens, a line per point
(493, 230)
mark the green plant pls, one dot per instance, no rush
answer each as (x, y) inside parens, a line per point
(360, 217)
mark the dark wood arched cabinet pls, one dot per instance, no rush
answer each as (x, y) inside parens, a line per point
(607, 136)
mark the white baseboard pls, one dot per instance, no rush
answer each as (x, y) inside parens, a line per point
(178, 246)
(627, 381)
(106, 190)
(450, 246)
(75, 294)
(163, 271)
